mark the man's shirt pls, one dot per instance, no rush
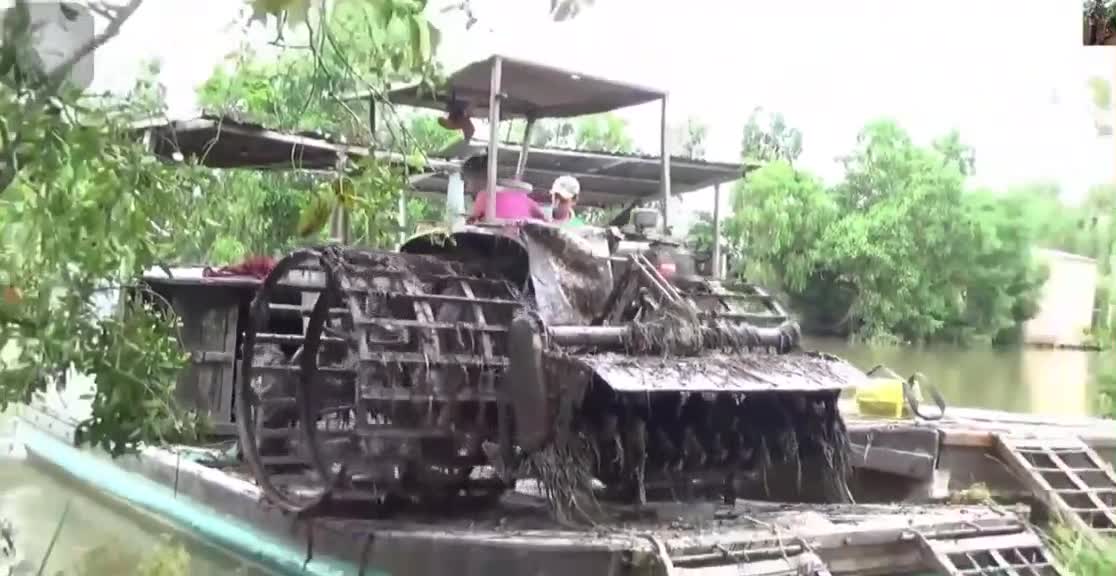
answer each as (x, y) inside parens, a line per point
(510, 205)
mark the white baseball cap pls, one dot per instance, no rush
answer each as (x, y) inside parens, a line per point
(565, 187)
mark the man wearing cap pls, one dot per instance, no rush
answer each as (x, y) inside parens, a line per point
(511, 203)
(564, 193)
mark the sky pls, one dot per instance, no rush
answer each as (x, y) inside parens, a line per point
(1010, 75)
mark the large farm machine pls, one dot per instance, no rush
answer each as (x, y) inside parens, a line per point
(591, 360)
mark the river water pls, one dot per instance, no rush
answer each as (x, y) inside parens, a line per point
(95, 537)
(1033, 380)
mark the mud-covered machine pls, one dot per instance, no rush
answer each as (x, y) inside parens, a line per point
(584, 359)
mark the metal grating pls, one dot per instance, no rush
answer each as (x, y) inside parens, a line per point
(765, 558)
(1068, 477)
(802, 564)
(1021, 554)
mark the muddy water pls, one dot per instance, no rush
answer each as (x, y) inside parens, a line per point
(1032, 380)
(96, 538)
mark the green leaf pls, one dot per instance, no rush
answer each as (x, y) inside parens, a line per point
(316, 214)
(416, 160)
(420, 39)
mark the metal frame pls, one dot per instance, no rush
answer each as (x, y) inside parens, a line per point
(1022, 553)
(496, 96)
(1068, 477)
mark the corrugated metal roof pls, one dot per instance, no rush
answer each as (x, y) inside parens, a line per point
(605, 178)
(529, 89)
(219, 142)
(222, 142)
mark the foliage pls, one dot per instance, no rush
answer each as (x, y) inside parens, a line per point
(689, 139)
(429, 136)
(1101, 90)
(363, 47)
(359, 46)
(768, 138)
(600, 216)
(897, 250)
(603, 133)
(595, 133)
(86, 210)
(1080, 556)
(1106, 381)
(86, 214)
(700, 236)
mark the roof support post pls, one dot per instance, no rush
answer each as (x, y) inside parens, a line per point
(493, 136)
(664, 176)
(524, 148)
(339, 227)
(718, 271)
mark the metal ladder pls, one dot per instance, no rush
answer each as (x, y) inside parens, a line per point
(1069, 478)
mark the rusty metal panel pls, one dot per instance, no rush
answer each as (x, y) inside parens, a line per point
(721, 372)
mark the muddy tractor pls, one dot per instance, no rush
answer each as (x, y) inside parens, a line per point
(590, 360)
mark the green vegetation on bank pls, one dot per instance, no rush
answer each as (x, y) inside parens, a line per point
(903, 249)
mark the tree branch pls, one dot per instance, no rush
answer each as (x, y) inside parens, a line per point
(117, 17)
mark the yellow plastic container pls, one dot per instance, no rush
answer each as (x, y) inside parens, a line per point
(883, 397)
(885, 394)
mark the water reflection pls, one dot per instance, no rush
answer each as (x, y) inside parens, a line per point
(95, 539)
(1032, 380)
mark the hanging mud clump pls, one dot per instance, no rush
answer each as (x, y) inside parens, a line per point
(564, 467)
(801, 446)
(669, 335)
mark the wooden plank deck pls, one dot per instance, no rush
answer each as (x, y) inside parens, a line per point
(978, 428)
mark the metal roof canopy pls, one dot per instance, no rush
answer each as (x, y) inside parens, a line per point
(605, 178)
(529, 90)
(515, 87)
(219, 142)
